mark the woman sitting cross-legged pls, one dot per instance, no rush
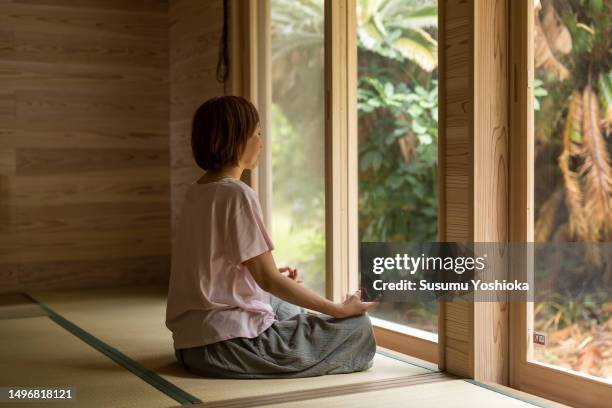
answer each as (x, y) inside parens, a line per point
(232, 313)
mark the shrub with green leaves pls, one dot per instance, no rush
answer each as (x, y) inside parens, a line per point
(398, 160)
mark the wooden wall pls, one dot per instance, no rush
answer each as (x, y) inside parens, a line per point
(456, 223)
(491, 176)
(84, 108)
(474, 183)
(195, 34)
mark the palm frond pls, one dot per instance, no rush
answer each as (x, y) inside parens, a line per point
(546, 216)
(369, 35)
(418, 52)
(604, 85)
(557, 34)
(578, 227)
(561, 234)
(424, 17)
(369, 8)
(395, 7)
(401, 25)
(283, 45)
(296, 25)
(543, 54)
(596, 166)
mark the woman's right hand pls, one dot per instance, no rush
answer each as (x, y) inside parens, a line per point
(263, 269)
(353, 305)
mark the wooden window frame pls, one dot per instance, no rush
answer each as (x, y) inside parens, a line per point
(473, 134)
(538, 378)
(342, 246)
(249, 76)
(467, 333)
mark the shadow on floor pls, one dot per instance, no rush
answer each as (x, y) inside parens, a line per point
(162, 365)
(166, 365)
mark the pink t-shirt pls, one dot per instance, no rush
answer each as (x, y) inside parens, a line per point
(212, 296)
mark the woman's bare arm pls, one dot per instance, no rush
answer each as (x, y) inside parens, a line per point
(264, 271)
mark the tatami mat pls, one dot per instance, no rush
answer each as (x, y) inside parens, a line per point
(326, 391)
(132, 321)
(38, 352)
(447, 394)
(16, 306)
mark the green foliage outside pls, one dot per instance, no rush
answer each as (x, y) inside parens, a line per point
(398, 134)
(298, 228)
(573, 179)
(397, 188)
(397, 103)
(397, 108)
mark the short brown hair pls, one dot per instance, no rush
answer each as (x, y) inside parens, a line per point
(219, 131)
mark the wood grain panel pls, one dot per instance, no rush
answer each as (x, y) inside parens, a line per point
(475, 161)
(455, 153)
(55, 246)
(125, 130)
(490, 212)
(7, 163)
(84, 161)
(186, 106)
(34, 46)
(8, 106)
(142, 7)
(101, 138)
(195, 34)
(98, 272)
(134, 186)
(86, 105)
(9, 279)
(72, 78)
(93, 217)
(44, 161)
(7, 39)
(83, 21)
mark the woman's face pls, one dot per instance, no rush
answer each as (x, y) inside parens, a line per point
(252, 150)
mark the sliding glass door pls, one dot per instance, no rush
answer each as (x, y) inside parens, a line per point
(297, 132)
(397, 103)
(351, 147)
(573, 192)
(562, 101)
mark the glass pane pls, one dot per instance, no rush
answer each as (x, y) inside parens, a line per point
(573, 182)
(298, 138)
(398, 134)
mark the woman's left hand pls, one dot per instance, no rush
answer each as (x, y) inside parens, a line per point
(292, 273)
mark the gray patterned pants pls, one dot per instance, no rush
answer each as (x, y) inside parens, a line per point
(297, 345)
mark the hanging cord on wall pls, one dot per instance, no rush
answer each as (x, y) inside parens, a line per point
(223, 58)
